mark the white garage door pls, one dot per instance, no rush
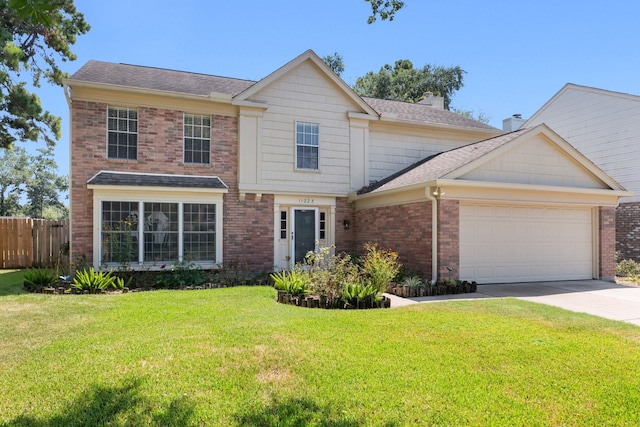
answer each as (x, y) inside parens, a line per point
(515, 243)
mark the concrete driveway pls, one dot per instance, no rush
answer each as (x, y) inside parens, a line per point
(604, 299)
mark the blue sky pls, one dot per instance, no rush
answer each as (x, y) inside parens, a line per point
(517, 54)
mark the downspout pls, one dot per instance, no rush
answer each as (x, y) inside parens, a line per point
(433, 194)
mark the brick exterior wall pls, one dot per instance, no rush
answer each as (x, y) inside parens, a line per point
(405, 229)
(448, 239)
(628, 231)
(607, 242)
(345, 239)
(248, 225)
(248, 231)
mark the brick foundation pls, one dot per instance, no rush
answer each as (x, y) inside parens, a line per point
(628, 231)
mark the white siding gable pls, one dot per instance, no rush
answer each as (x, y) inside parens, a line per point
(602, 125)
(535, 161)
(304, 94)
(394, 148)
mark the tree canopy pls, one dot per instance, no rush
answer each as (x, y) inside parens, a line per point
(35, 178)
(335, 62)
(34, 36)
(403, 82)
(385, 9)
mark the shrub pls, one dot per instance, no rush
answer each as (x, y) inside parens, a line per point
(379, 266)
(628, 268)
(413, 281)
(94, 281)
(329, 273)
(294, 282)
(181, 274)
(37, 279)
(353, 293)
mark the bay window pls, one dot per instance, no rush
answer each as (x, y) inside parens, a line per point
(155, 233)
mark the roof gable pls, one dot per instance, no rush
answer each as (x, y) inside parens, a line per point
(504, 159)
(307, 57)
(569, 88)
(534, 160)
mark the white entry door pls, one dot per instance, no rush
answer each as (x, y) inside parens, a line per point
(304, 226)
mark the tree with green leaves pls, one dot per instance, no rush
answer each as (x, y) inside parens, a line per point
(385, 9)
(403, 82)
(34, 36)
(44, 185)
(14, 174)
(481, 117)
(335, 62)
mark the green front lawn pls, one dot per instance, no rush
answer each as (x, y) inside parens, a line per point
(235, 357)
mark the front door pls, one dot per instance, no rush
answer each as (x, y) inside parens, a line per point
(305, 233)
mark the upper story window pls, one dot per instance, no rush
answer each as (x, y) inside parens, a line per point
(307, 144)
(197, 139)
(122, 129)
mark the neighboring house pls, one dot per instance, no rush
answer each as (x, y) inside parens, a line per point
(605, 127)
(171, 166)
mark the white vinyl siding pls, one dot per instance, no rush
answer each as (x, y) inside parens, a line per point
(602, 125)
(306, 95)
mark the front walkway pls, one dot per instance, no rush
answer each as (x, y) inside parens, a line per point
(604, 299)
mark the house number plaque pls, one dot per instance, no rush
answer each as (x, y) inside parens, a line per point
(305, 201)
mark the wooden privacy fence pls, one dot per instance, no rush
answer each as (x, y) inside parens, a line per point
(28, 242)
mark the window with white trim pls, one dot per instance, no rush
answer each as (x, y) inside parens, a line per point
(163, 233)
(197, 139)
(307, 145)
(122, 133)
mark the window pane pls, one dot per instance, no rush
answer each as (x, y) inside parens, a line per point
(197, 139)
(119, 238)
(122, 137)
(161, 232)
(199, 232)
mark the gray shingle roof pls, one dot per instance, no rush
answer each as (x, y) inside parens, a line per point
(158, 79)
(156, 180)
(440, 165)
(140, 77)
(423, 113)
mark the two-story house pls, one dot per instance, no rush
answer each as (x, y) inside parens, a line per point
(171, 166)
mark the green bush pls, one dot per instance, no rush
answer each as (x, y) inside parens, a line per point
(353, 293)
(40, 278)
(94, 281)
(379, 266)
(181, 274)
(628, 268)
(413, 281)
(294, 282)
